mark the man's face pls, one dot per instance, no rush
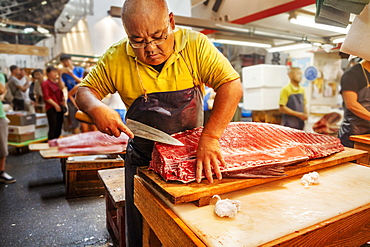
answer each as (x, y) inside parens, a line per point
(66, 62)
(53, 75)
(149, 32)
(296, 75)
(38, 76)
(17, 71)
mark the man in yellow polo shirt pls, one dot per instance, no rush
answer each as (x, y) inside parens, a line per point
(293, 101)
(160, 72)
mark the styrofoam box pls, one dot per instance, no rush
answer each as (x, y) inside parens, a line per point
(41, 119)
(265, 75)
(19, 130)
(261, 99)
(41, 132)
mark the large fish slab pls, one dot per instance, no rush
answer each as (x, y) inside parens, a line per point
(249, 150)
(93, 142)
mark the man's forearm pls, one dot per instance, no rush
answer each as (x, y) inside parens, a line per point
(87, 99)
(226, 101)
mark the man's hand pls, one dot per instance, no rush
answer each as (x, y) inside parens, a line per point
(209, 158)
(108, 121)
(66, 71)
(303, 116)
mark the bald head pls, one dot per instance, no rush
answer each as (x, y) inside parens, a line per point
(143, 11)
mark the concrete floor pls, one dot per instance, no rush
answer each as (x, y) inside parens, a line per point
(34, 211)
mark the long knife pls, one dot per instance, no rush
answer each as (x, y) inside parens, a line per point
(139, 129)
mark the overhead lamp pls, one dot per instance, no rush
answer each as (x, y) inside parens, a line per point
(289, 47)
(310, 22)
(242, 43)
(28, 30)
(44, 2)
(42, 30)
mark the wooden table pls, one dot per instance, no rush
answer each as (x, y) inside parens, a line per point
(281, 212)
(114, 183)
(362, 142)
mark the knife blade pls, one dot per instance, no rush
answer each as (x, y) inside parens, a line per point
(150, 133)
(139, 129)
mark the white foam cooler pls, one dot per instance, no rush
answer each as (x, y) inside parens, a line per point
(262, 84)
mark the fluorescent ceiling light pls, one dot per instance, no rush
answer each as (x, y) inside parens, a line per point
(310, 22)
(28, 30)
(340, 40)
(242, 43)
(42, 30)
(289, 47)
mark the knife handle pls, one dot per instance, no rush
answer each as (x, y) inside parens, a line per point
(80, 115)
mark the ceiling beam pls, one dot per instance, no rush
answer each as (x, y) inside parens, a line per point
(270, 12)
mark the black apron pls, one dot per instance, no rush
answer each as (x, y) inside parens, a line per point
(170, 112)
(295, 102)
(352, 124)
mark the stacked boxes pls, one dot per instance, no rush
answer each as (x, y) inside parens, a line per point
(262, 85)
(42, 127)
(21, 127)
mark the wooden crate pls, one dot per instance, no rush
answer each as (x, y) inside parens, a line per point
(114, 183)
(268, 116)
(81, 175)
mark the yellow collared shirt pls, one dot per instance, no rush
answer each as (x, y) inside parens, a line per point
(116, 70)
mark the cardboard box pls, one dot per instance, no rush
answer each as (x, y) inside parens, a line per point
(21, 129)
(41, 119)
(41, 131)
(21, 138)
(21, 118)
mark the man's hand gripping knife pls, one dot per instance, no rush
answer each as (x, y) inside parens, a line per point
(108, 121)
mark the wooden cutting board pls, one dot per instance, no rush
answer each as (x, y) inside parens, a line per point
(177, 192)
(360, 138)
(48, 152)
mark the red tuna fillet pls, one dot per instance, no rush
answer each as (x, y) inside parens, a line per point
(249, 150)
(89, 139)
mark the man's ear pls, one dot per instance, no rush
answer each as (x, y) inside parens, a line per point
(172, 20)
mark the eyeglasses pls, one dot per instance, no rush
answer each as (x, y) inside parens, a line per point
(143, 44)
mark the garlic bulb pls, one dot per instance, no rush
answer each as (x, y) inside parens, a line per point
(226, 207)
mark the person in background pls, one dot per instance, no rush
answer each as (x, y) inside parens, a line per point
(35, 88)
(17, 88)
(71, 76)
(52, 90)
(84, 127)
(356, 102)
(4, 177)
(293, 101)
(25, 80)
(159, 66)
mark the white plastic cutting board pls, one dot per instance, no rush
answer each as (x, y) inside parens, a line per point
(275, 209)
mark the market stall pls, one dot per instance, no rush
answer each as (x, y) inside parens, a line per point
(281, 212)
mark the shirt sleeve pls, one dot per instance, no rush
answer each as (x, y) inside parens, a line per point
(2, 78)
(45, 90)
(214, 68)
(99, 79)
(284, 96)
(352, 79)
